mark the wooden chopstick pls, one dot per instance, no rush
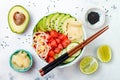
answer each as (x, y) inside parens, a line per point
(59, 60)
(84, 43)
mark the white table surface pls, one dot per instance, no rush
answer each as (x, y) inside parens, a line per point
(10, 42)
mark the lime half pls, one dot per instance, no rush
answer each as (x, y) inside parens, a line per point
(104, 53)
(88, 65)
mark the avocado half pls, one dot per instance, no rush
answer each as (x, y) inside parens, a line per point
(18, 19)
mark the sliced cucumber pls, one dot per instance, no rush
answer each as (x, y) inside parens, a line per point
(69, 60)
(76, 54)
(63, 52)
(71, 46)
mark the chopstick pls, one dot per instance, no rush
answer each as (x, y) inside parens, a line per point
(59, 60)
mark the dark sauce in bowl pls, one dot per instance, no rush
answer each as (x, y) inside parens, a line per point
(93, 17)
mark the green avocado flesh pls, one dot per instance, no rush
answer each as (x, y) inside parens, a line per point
(18, 19)
(53, 21)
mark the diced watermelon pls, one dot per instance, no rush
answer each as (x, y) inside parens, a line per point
(53, 43)
(53, 33)
(60, 46)
(62, 36)
(57, 50)
(49, 44)
(51, 53)
(65, 43)
(58, 40)
(50, 59)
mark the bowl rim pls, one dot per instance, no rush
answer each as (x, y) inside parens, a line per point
(25, 69)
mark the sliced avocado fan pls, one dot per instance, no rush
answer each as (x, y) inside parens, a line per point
(53, 21)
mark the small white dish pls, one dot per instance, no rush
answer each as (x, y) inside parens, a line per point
(102, 18)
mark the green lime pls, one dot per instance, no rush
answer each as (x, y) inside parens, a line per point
(104, 53)
(88, 65)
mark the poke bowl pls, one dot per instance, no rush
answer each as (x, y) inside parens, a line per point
(56, 34)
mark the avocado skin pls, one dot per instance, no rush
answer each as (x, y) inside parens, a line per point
(25, 24)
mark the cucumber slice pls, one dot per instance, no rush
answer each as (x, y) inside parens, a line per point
(72, 45)
(69, 60)
(76, 54)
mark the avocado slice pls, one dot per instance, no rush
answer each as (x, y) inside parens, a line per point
(48, 20)
(59, 29)
(39, 26)
(35, 30)
(52, 21)
(65, 23)
(18, 19)
(56, 25)
(44, 24)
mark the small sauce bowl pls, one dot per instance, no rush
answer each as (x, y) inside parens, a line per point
(102, 18)
(21, 69)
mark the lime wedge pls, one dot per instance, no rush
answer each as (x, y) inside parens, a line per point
(104, 53)
(88, 65)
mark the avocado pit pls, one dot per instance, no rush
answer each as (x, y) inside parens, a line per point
(19, 18)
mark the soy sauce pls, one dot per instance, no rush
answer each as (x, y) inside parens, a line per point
(93, 17)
